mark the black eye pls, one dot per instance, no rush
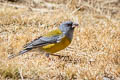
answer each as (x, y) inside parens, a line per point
(69, 24)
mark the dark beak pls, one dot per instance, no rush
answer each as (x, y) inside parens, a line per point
(75, 25)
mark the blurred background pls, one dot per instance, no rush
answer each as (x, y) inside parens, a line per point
(94, 53)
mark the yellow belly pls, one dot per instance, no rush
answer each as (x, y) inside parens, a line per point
(52, 48)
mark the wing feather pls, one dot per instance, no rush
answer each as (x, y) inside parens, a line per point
(42, 41)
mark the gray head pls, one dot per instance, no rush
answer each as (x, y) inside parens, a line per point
(67, 28)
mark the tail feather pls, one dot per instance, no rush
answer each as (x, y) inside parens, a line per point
(20, 53)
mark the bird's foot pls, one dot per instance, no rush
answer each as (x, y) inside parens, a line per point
(60, 56)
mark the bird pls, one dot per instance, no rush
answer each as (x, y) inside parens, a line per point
(53, 41)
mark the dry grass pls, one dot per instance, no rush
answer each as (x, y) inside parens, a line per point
(94, 52)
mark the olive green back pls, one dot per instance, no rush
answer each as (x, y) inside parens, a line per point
(53, 33)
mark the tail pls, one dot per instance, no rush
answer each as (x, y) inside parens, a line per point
(20, 53)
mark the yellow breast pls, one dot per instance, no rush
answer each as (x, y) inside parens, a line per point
(52, 48)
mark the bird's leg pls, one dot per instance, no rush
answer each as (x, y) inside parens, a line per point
(59, 56)
(47, 55)
(56, 55)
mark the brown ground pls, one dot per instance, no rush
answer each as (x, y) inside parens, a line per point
(95, 50)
